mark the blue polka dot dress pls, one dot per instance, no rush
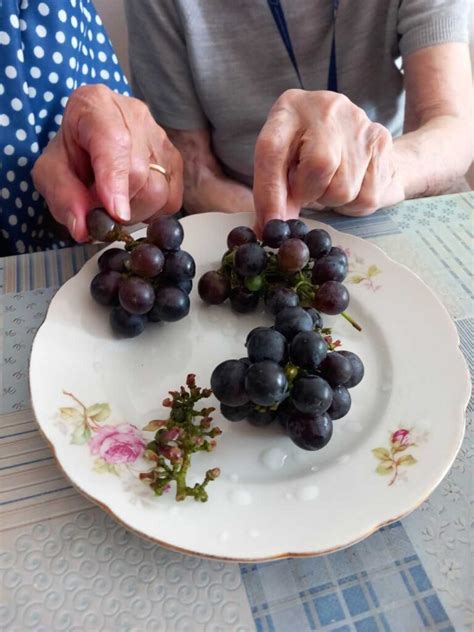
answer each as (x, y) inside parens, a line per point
(48, 49)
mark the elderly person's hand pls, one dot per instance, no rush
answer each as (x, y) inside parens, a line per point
(318, 149)
(101, 157)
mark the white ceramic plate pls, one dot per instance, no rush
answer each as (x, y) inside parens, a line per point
(272, 499)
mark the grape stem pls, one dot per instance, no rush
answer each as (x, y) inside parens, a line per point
(351, 321)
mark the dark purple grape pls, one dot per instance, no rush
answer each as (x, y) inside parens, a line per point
(284, 412)
(341, 403)
(357, 368)
(336, 369)
(339, 254)
(146, 260)
(165, 232)
(100, 226)
(228, 383)
(236, 413)
(310, 432)
(267, 344)
(186, 286)
(291, 320)
(214, 287)
(275, 232)
(332, 298)
(105, 287)
(316, 316)
(311, 394)
(250, 260)
(259, 419)
(307, 350)
(125, 324)
(171, 304)
(328, 269)
(115, 259)
(136, 295)
(319, 243)
(246, 361)
(293, 255)
(239, 236)
(243, 301)
(252, 332)
(265, 383)
(298, 228)
(179, 266)
(276, 300)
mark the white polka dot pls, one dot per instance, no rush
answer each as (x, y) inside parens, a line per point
(85, 69)
(4, 120)
(38, 129)
(58, 119)
(64, 101)
(73, 4)
(4, 38)
(34, 147)
(25, 87)
(18, 204)
(100, 38)
(72, 62)
(74, 42)
(93, 73)
(126, 93)
(24, 4)
(105, 74)
(69, 82)
(98, 20)
(60, 37)
(31, 211)
(5, 193)
(51, 135)
(74, 21)
(83, 28)
(20, 55)
(102, 56)
(2, 88)
(62, 15)
(89, 36)
(43, 114)
(38, 52)
(20, 246)
(31, 249)
(33, 233)
(53, 77)
(9, 150)
(14, 21)
(41, 31)
(24, 228)
(57, 58)
(20, 134)
(10, 176)
(5, 234)
(23, 25)
(91, 53)
(31, 118)
(35, 72)
(11, 72)
(35, 196)
(48, 96)
(13, 220)
(117, 76)
(43, 8)
(114, 58)
(85, 50)
(22, 161)
(24, 186)
(31, 92)
(16, 104)
(41, 233)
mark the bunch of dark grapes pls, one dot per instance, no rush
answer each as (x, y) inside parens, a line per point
(149, 280)
(293, 373)
(291, 266)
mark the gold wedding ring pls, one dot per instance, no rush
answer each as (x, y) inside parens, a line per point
(160, 169)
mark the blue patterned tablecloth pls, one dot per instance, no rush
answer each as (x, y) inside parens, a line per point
(66, 565)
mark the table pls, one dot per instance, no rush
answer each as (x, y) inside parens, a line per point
(66, 565)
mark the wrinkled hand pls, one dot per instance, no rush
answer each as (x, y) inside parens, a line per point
(318, 149)
(101, 156)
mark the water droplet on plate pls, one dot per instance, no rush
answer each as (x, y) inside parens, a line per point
(314, 468)
(240, 497)
(273, 458)
(308, 492)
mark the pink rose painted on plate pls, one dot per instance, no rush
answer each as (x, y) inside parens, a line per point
(117, 444)
(391, 458)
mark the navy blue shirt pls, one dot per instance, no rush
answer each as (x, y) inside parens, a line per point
(48, 48)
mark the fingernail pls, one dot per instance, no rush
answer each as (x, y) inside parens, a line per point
(122, 208)
(71, 225)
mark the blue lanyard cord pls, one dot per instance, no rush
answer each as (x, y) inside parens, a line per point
(280, 21)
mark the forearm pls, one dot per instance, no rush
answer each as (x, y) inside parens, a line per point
(206, 187)
(429, 159)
